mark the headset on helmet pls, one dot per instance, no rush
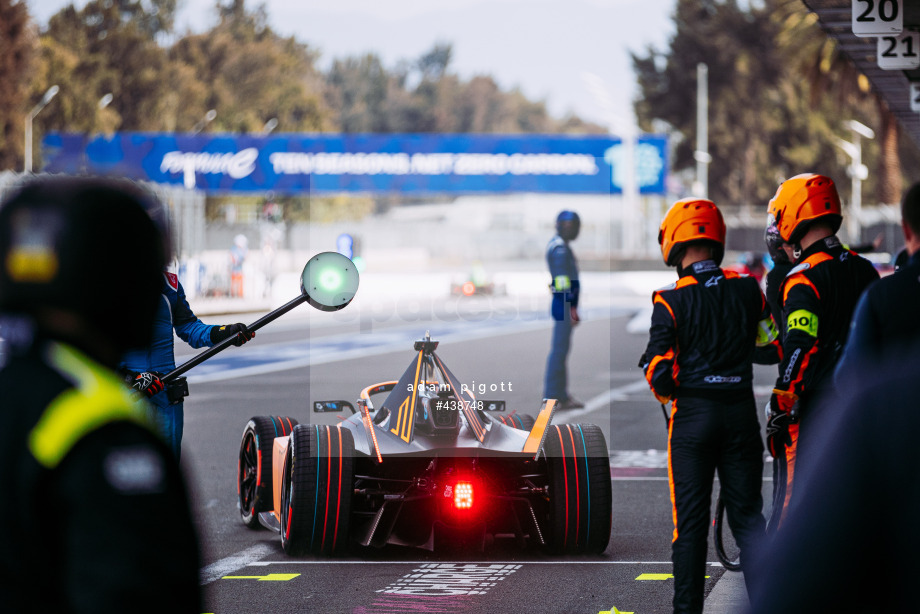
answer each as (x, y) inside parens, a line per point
(690, 220)
(89, 246)
(568, 224)
(799, 202)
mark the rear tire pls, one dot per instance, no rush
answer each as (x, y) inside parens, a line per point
(254, 469)
(316, 490)
(580, 491)
(522, 422)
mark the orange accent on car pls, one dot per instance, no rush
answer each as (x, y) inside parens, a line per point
(279, 453)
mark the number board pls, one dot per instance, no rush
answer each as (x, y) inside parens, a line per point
(915, 97)
(878, 17)
(901, 52)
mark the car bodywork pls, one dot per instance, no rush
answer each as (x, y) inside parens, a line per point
(433, 465)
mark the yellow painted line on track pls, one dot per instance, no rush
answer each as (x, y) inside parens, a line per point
(655, 576)
(615, 611)
(272, 577)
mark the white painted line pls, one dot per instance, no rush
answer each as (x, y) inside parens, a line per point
(300, 355)
(226, 566)
(320, 349)
(662, 478)
(650, 478)
(641, 322)
(648, 459)
(448, 580)
(606, 398)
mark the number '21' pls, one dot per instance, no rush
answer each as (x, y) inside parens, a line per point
(887, 10)
(893, 42)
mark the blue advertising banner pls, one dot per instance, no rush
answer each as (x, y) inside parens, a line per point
(375, 163)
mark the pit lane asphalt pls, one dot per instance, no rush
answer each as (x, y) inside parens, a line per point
(246, 571)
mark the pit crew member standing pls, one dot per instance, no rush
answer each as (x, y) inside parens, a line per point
(819, 295)
(96, 516)
(886, 316)
(143, 368)
(563, 269)
(707, 330)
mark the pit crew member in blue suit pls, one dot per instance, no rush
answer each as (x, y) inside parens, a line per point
(143, 368)
(563, 269)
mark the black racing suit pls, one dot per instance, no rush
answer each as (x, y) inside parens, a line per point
(707, 330)
(95, 514)
(819, 296)
(774, 283)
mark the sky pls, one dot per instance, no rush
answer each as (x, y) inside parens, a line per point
(571, 54)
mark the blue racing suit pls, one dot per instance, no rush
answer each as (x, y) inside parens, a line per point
(563, 268)
(173, 312)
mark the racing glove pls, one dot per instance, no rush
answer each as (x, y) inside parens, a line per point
(148, 383)
(777, 433)
(243, 334)
(783, 401)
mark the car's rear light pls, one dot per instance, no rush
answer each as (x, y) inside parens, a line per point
(468, 288)
(463, 495)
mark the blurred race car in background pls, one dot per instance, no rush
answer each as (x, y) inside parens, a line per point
(432, 466)
(477, 283)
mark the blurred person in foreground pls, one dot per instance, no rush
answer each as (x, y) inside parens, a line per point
(849, 541)
(565, 287)
(707, 330)
(143, 368)
(888, 313)
(818, 297)
(96, 515)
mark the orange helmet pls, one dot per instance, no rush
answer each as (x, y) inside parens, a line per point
(691, 219)
(804, 198)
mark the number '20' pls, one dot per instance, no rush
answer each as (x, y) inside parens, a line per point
(887, 10)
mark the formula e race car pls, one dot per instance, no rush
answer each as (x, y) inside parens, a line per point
(433, 466)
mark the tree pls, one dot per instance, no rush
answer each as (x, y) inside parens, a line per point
(106, 47)
(359, 88)
(742, 108)
(424, 96)
(433, 65)
(829, 72)
(775, 101)
(249, 76)
(17, 52)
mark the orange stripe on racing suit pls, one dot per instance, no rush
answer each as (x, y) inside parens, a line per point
(671, 471)
(794, 367)
(790, 451)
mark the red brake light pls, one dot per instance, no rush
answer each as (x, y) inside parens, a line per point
(468, 288)
(463, 495)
